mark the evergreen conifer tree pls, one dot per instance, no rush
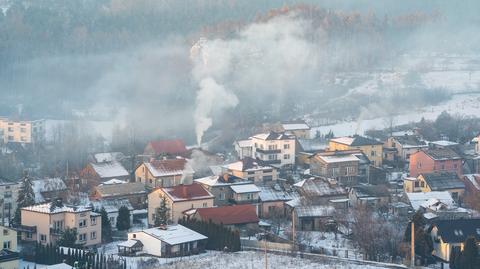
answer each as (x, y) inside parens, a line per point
(161, 213)
(106, 226)
(123, 220)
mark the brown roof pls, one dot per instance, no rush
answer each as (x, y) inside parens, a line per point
(442, 154)
(169, 164)
(187, 192)
(228, 215)
(169, 146)
(108, 190)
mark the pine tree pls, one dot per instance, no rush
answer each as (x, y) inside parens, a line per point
(469, 254)
(161, 213)
(68, 238)
(106, 226)
(123, 220)
(26, 197)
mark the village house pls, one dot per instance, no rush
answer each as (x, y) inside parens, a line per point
(239, 217)
(298, 128)
(320, 191)
(134, 192)
(435, 161)
(243, 148)
(164, 173)
(372, 148)
(44, 223)
(313, 217)
(244, 194)
(49, 189)
(277, 149)
(112, 207)
(272, 200)
(12, 131)
(436, 205)
(442, 182)
(169, 241)
(165, 148)
(219, 186)
(96, 173)
(9, 257)
(178, 200)
(403, 146)
(448, 235)
(472, 184)
(8, 195)
(341, 167)
(251, 169)
(369, 195)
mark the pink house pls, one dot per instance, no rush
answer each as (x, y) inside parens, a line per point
(435, 161)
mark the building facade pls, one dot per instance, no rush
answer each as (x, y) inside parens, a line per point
(372, 148)
(15, 131)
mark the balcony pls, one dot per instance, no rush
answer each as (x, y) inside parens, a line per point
(56, 231)
(269, 151)
(273, 161)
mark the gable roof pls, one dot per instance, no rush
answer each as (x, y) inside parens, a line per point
(229, 215)
(417, 199)
(274, 136)
(111, 205)
(364, 191)
(109, 190)
(109, 169)
(338, 158)
(193, 191)
(410, 141)
(356, 140)
(169, 146)
(458, 230)
(245, 188)
(269, 194)
(40, 186)
(442, 154)
(174, 234)
(314, 211)
(320, 187)
(168, 167)
(221, 180)
(295, 125)
(443, 181)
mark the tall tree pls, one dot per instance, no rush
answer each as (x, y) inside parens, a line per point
(123, 220)
(469, 258)
(26, 197)
(106, 226)
(161, 213)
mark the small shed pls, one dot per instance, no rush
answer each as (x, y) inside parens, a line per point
(130, 247)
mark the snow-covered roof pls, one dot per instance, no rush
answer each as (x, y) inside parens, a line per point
(128, 188)
(245, 188)
(113, 181)
(248, 164)
(418, 198)
(430, 215)
(314, 211)
(274, 136)
(109, 169)
(295, 126)
(47, 208)
(222, 180)
(46, 185)
(189, 192)
(472, 179)
(339, 158)
(169, 167)
(111, 206)
(175, 234)
(130, 243)
(57, 266)
(444, 143)
(244, 143)
(268, 194)
(107, 157)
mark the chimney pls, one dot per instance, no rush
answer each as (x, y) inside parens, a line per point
(225, 177)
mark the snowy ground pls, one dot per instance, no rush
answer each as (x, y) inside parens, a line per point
(461, 104)
(341, 246)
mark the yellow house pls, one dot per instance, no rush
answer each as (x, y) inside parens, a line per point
(9, 257)
(442, 182)
(15, 131)
(8, 238)
(372, 148)
(448, 235)
(179, 199)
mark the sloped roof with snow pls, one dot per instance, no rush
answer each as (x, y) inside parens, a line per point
(46, 185)
(248, 164)
(320, 187)
(229, 215)
(169, 167)
(356, 141)
(295, 126)
(274, 136)
(193, 191)
(314, 211)
(443, 181)
(222, 180)
(268, 194)
(110, 190)
(111, 205)
(174, 234)
(109, 169)
(47, 208)
(245, 188)
(418, 198)
(244, 143)
(107, 157)
(339, 159)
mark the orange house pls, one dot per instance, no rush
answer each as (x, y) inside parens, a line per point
(435, 161)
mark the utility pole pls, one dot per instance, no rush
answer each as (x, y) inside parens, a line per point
(412, 245)
(293, 230)
(265, 244)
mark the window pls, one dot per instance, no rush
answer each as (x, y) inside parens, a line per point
(455, 166)
(112, 220)
(222, 196)
(6, 244)
(8, 194)
(286, 156)
(82, 223)
(93, 235)
(334, 171)
(443, 166)
(272, 147)
(249, 196)
(251, 172)
(11, 138)
(286, 146)
(134, 235)
(82, 237)
(93, 221)
(23, 138)
(5, 232)
(422, 184)
(10, 129)
(204, 204)
(43, 237)
(350, 170)
(267, 178)
(23, 130)
(416, 184)
(29, 235)
(372, 153)
(419, 165)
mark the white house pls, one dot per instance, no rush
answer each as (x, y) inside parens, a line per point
(277, 149)
(243, 148)
(168, 241)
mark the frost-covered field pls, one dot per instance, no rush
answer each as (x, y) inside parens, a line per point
(251, 260)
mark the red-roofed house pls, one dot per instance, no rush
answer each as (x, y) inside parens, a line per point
(164, 173)
(236, 216)
(172, 147)
(179, 199)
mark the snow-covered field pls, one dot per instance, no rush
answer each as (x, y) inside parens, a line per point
(461, 104)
